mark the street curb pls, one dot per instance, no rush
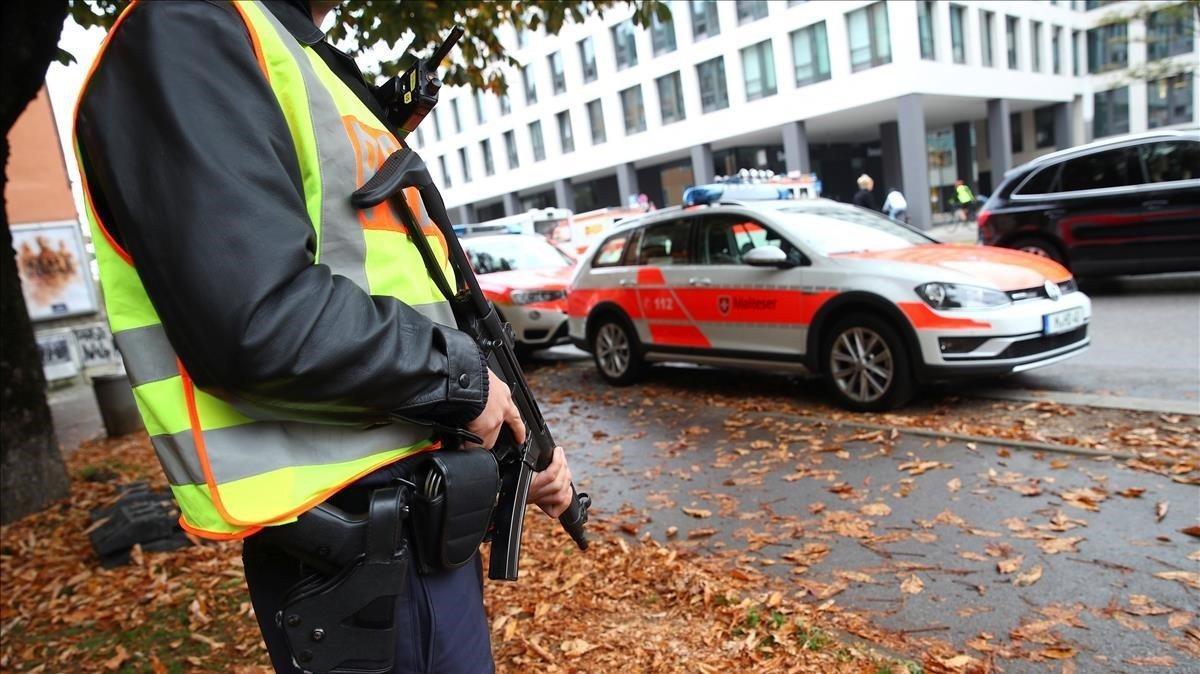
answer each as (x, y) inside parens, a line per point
(1128, 403)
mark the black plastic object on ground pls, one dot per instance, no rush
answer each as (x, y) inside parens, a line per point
(114, 397)
(141, 516)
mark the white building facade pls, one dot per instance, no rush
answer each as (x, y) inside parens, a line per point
(916, 94)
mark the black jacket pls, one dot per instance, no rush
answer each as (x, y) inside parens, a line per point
(865, 199)
(194, 173)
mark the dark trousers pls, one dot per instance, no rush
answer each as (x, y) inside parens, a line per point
(441, 624)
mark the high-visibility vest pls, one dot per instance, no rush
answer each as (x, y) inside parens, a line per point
(234, 470)
(963, 193)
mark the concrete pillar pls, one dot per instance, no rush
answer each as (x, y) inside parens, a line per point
(999, 139)
(889, 132)
(564, 194)
(512, 204)
(914, 157)
(795, 148)
(702, 164)
(1064, 125)
(464, 214)
(964, 154)
(627, 183)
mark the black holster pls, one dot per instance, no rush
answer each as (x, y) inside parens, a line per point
(456, 492)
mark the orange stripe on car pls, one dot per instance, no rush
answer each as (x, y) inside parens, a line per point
(924, 318)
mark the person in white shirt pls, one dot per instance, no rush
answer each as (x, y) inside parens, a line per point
(895, 206)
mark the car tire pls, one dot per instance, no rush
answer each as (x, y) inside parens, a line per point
(616, 350)
(1036, 245)
(866, 364)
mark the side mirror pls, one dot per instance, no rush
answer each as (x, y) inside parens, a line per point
(767, 256)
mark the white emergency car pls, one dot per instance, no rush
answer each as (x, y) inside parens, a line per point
(525, 277)
(874, 306)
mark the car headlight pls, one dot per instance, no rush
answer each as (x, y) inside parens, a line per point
(534, 296)
(955, 296)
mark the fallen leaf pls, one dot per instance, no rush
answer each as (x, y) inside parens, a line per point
(1189, 578)
(114, 663)
(1160, 510)
(573, 648)
(1152, 661)
(1053, 546)
(1010, 565)
(912, 585)
(702, 533)
(698, 513)
(1191, 531)
(1132, 492)
(876, 510)
(1029, 577)
(954, 485)
(1058, 652)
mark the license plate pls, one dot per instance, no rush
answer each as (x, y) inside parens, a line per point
(1062, 321)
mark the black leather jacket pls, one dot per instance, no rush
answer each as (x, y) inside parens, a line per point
(193, 171)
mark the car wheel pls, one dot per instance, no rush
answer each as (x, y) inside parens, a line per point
(1040, 247)
(616, 350)
(866, 364)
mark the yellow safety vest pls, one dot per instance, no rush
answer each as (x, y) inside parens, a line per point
(963, 193)
(234, 470)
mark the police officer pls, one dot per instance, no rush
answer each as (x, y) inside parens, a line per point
(273, 334)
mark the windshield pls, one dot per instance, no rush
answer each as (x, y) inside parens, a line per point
(832, 230)
(508, 253)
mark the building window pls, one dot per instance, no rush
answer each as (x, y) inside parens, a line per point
(1043, 127)
(478, 99)
(1035, 38)
(870, 43)
(1169, 100)
(510, 148)
(1075, 52)
(1010, 37)
(454, 114)
(713, 94)
(437, 125)
(558, 79)
(1110, 111)
(985, 38)
(634, 109)
(758, 70)
(1056, 50)
(751, 10)
(958, 40)
(535, 139)
(587, 58)
(810, 50)
(1108, 48)
(420, 138)
(1169, 32)
(566, 135)
(466, 164)
(505, 104)
(670, 98)
(925, 29)
(624, 45)
(704, 19)
(445, 171)
(1014, 126)
(596, 121)
(485, 149)
(530, 85)
(662, 35)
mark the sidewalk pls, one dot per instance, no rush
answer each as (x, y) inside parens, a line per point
(964, 232)
(76, 416)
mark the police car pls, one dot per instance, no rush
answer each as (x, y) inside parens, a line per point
(525, 277)
(872, 305)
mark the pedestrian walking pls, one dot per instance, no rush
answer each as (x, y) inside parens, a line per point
(863, 198)
(285, 351)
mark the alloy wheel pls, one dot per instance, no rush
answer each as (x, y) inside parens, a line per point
(861, 364)
(612, 350)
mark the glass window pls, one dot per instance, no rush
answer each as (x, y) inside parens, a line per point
(1056, 50)
(1169, 31)
(530, 85)
(958, 40)
(445, 167)
(670, 98)
(1110, 112)
(1044, 181)
(510, 148)
(454, 114)
(870, 43)
(624, 44)
(1171, 160)
(420, 138)
(489, 254)
(466, 164)
(505, 104)
(704, 19)
(662, 35)
(485, 149)
(751, 10)
(845, 229)
(1112, 168)
(566, 134)
(810, 50)
(1035, 38)
(437, 125)
(558, 79)
(665, 243)
(596, 121)
(1010, 37)
(478, 99)
(634, 109)
(1169, 100)
(925, 29)
(1014, 125)
(1108, 48)
(587, 57)
(724, 239)
(713, 94)
(986, 20)
(758, 70)
(1075, 52)
(1043, 127)
(612, 251)
(535, 138)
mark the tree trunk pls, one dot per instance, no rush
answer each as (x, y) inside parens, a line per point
(31, 468)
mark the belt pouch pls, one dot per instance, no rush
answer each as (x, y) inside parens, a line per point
(452, 509)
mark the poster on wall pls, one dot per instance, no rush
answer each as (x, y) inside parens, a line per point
(54, 270)
(58, 358)
(96, 348)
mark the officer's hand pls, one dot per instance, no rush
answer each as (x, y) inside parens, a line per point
(500, 410)
(550, 489)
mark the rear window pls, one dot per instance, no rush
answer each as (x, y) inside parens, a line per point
(1171, 161)
(1112, 168)
(1043, 181)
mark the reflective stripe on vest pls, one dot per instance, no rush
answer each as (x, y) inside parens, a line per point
(234, 468)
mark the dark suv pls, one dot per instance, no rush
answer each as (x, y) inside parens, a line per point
(1127, 205)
